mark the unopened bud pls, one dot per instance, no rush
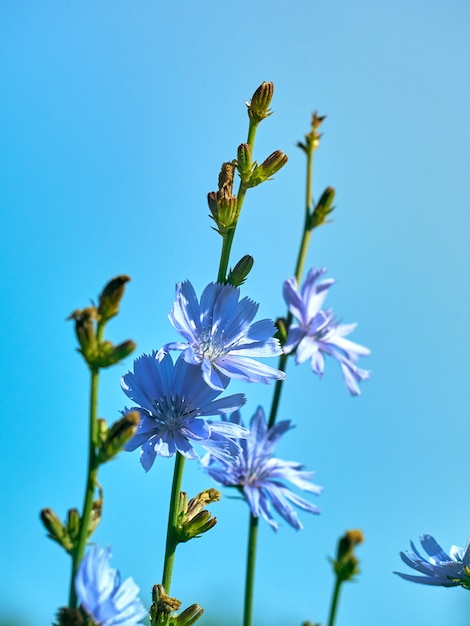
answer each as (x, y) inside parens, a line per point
(244, 162)
(226, 178)
(238, 275)
(162, 605)
(190, 615)
(111, 296)
(85, 330)
(56, 530)
(110, 354)
(73, 524)
(312, 139)
(323, 208)
(258, 108)
(268, 168)
(346, 565)
(193, 519)
(118, 435)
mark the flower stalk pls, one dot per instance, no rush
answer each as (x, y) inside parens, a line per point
(171, 533)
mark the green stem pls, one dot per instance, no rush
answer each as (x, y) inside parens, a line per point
(171, 543)
(334, 601)
(228, 238)
(299, 266)
(91, 480)
(250, 571)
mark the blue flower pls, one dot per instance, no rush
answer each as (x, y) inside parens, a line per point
(260, 476)
(317, 333)
(101, 594)
(220, 336)
(440, 569)
(173, 401)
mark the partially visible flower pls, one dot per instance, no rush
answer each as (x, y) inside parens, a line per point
(173, 401)
(220, 336)
(101, 594)
(261, 477)
(317, 333)
(440, 569)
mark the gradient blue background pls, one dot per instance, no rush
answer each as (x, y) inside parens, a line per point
(115, 117)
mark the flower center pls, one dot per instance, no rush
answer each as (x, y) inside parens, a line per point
(172, 411)
(211, 345)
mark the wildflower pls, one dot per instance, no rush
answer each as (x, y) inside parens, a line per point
(173, 401)
(220, 336)
(440, 569)
(317, 333)
(101, 594)
(260, 476)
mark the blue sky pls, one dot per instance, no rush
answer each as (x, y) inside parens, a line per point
(115, 120)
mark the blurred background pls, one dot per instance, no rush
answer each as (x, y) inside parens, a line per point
(115, 118)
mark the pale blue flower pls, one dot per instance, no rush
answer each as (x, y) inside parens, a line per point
(173, 401)
(102, 595)
(220, 336)
(261, 477)
(439, 569)
(317, 333)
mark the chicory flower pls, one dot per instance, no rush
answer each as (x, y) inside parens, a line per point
(261, 477)
(317, 333)
(173, 404)
(102, 595)
(440, 568)
(220, 336)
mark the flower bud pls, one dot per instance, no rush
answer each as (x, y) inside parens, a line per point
(162, 606)
(111, 296)
(268, 168)
(346, 565)
(258, 108)
(190, 615)
(73, 524)
(238, 275)
(85, 330)
(312, 139)
(56, 530)
(323, 208)
(118, 435)
(244, 162)
(193, 519)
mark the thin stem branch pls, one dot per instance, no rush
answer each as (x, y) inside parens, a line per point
(250, 570)
(91, 480)
(334, 601)
(170, 547)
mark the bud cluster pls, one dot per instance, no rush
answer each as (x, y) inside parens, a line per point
(193, 519)
(163, 610)
(90, 321)
(112, 440)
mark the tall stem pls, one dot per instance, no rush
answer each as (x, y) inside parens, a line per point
(299, 266)
(91, 479)
(170, 547)
(334, 601)
(250, 570)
